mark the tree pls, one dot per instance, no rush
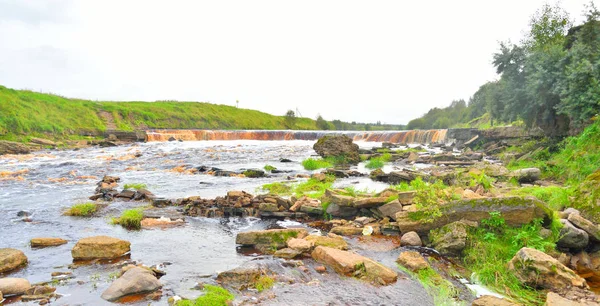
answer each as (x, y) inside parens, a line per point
(290, 119)
(322, 124)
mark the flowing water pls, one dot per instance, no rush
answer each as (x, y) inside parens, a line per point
(46, 183)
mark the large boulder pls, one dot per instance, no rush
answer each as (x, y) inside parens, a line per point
(411, 239)
(241, 277)
(588, 226)
(390, 209)
(527, 175)
(539, 270)
(301, 245)
(330, 242)
(572, 237)
(553, 299)
(413, 261)
(11, 259)
(11, 147)
(490, 300)
(338, 145)
(516, 211)
(13, 286)
(269, 241)
(450, 239)
(351, 264)
(46, 242)
(134, 281)
(100, 247)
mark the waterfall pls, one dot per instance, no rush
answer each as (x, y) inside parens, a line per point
(400, 137)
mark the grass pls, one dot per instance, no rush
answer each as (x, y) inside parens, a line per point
(213, 296)
(428, 198)
(264, 283)
(82, 210)
(442, 291)
(278, 188)
(314, 164)
(314, 188)
(269, 168)
(130, 219)
(556, 197)
(136, 186)
(374, 163)
(493, 244)
(481, 179)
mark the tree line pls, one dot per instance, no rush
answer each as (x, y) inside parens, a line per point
(550, 80)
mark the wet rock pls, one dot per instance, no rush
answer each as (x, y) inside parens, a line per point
(553, 299)
(539, 270)
(100, 247)
(572, 237)
(321, 269)
(301, 245)
(449, 240)
(411, 239)
(347, 230)
(46, 242)
(126, 194)
(161, 222)
(490, 300)
(133, 281)
(254, 173)
(13, 286)
(337, 210)
(270, 207)
(11, 259)
(269, 240)
(172, 138)
(390, 209)
(23, 213)
(370, 202)
(41, 141)
(337, 145)
(110, 179)
(241, 277)
(516, 211)
(161, 202)
(143, 194)
(321, 177)
(412, 260)
(107, 143)
(351, 264)
(330, 242)
(40, 290)
(285, 160)
(527, 175)
(11, 147)
(287, 253)
(586, 225)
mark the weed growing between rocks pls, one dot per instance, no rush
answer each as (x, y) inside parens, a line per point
(314, 164)
(314, 188)
(130, 219)
(269, 168)
(213, 296)
(278, 188)
(556, 197)
(136, 186)
(491, 246)
(428, 198)
(442, 291)
(82, 210)
(264, 283)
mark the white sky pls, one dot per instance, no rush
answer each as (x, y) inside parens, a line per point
(351, 60)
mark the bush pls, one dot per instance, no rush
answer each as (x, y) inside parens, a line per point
(130, 219)
(264, 283)
(314, 164)
(374, 163)
(82, 210)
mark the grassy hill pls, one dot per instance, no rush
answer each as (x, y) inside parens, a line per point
(26, 113)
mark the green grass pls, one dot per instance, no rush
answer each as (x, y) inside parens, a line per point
(556, 197)
(82, 210)
(492, 245)
(269, 168)
(213, 296)
(278, 188)
(130, 219)
(314, 188)
(428, 198)
(374, 163)
(314, 164)
(442, 291)
(264, 283)
(136, 186)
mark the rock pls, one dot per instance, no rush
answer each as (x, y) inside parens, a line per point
(490, 300)
(40, 290)
(13, 286)
(240, 277)
(586, 225)
(346, 263)
(126, 194)
(330, 242)
(321, 177)
(11, 147)
(451, 239)
(527, 175)
(412, 157)
(254, 173)
(41, 141)
(100, 247)
(571, 237)
(347, 230)
(370, 202)
(337, 145)
(390, 209)
(133, 281)
(287, 253)
(301, 245)
(413, 261)
(23, 213)
(269, 241)
(110, 179)
(539, 270)
(321, 269)
(161, 222)
(11, 259)
(337, 210)
(516, 211)
(46, 242)
(335, 198)
(285, 160)
(411, 239)
(553, 299)
(1, 297)
(270, 207)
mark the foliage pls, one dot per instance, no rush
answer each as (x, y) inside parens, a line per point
(82, 210)
(314, 164)
(264, 282)
(481, 179)
(493, 244)
(314, 188)
(278, 188)
(322, 124)
(442, 291)
(213, 296)
(136, 186)
(290, 119)
(269, 168)
(374, 163)
(556, 197)
(130, 219)
(428, 198)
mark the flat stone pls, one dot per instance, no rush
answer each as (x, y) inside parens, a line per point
(100, 247)
(490, 300)
(413, 261)
(287, 253)
(331, 242)
(133, 281)
(37, 290)
(337, 210)
(272, 239)
(13, 286)
(301, 245)
(390, 209)
(271, 207)
(370, 202)
(47, 242)
(588, 226)
(351, 264)
(553, 299)
(11, 259)
(347, 230)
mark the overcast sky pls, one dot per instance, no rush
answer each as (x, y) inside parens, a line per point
(351, 60)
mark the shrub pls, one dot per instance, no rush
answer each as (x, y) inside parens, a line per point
(374, 163)
(82, 210)
(314, 164)
(130, 219)
(264, 283)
